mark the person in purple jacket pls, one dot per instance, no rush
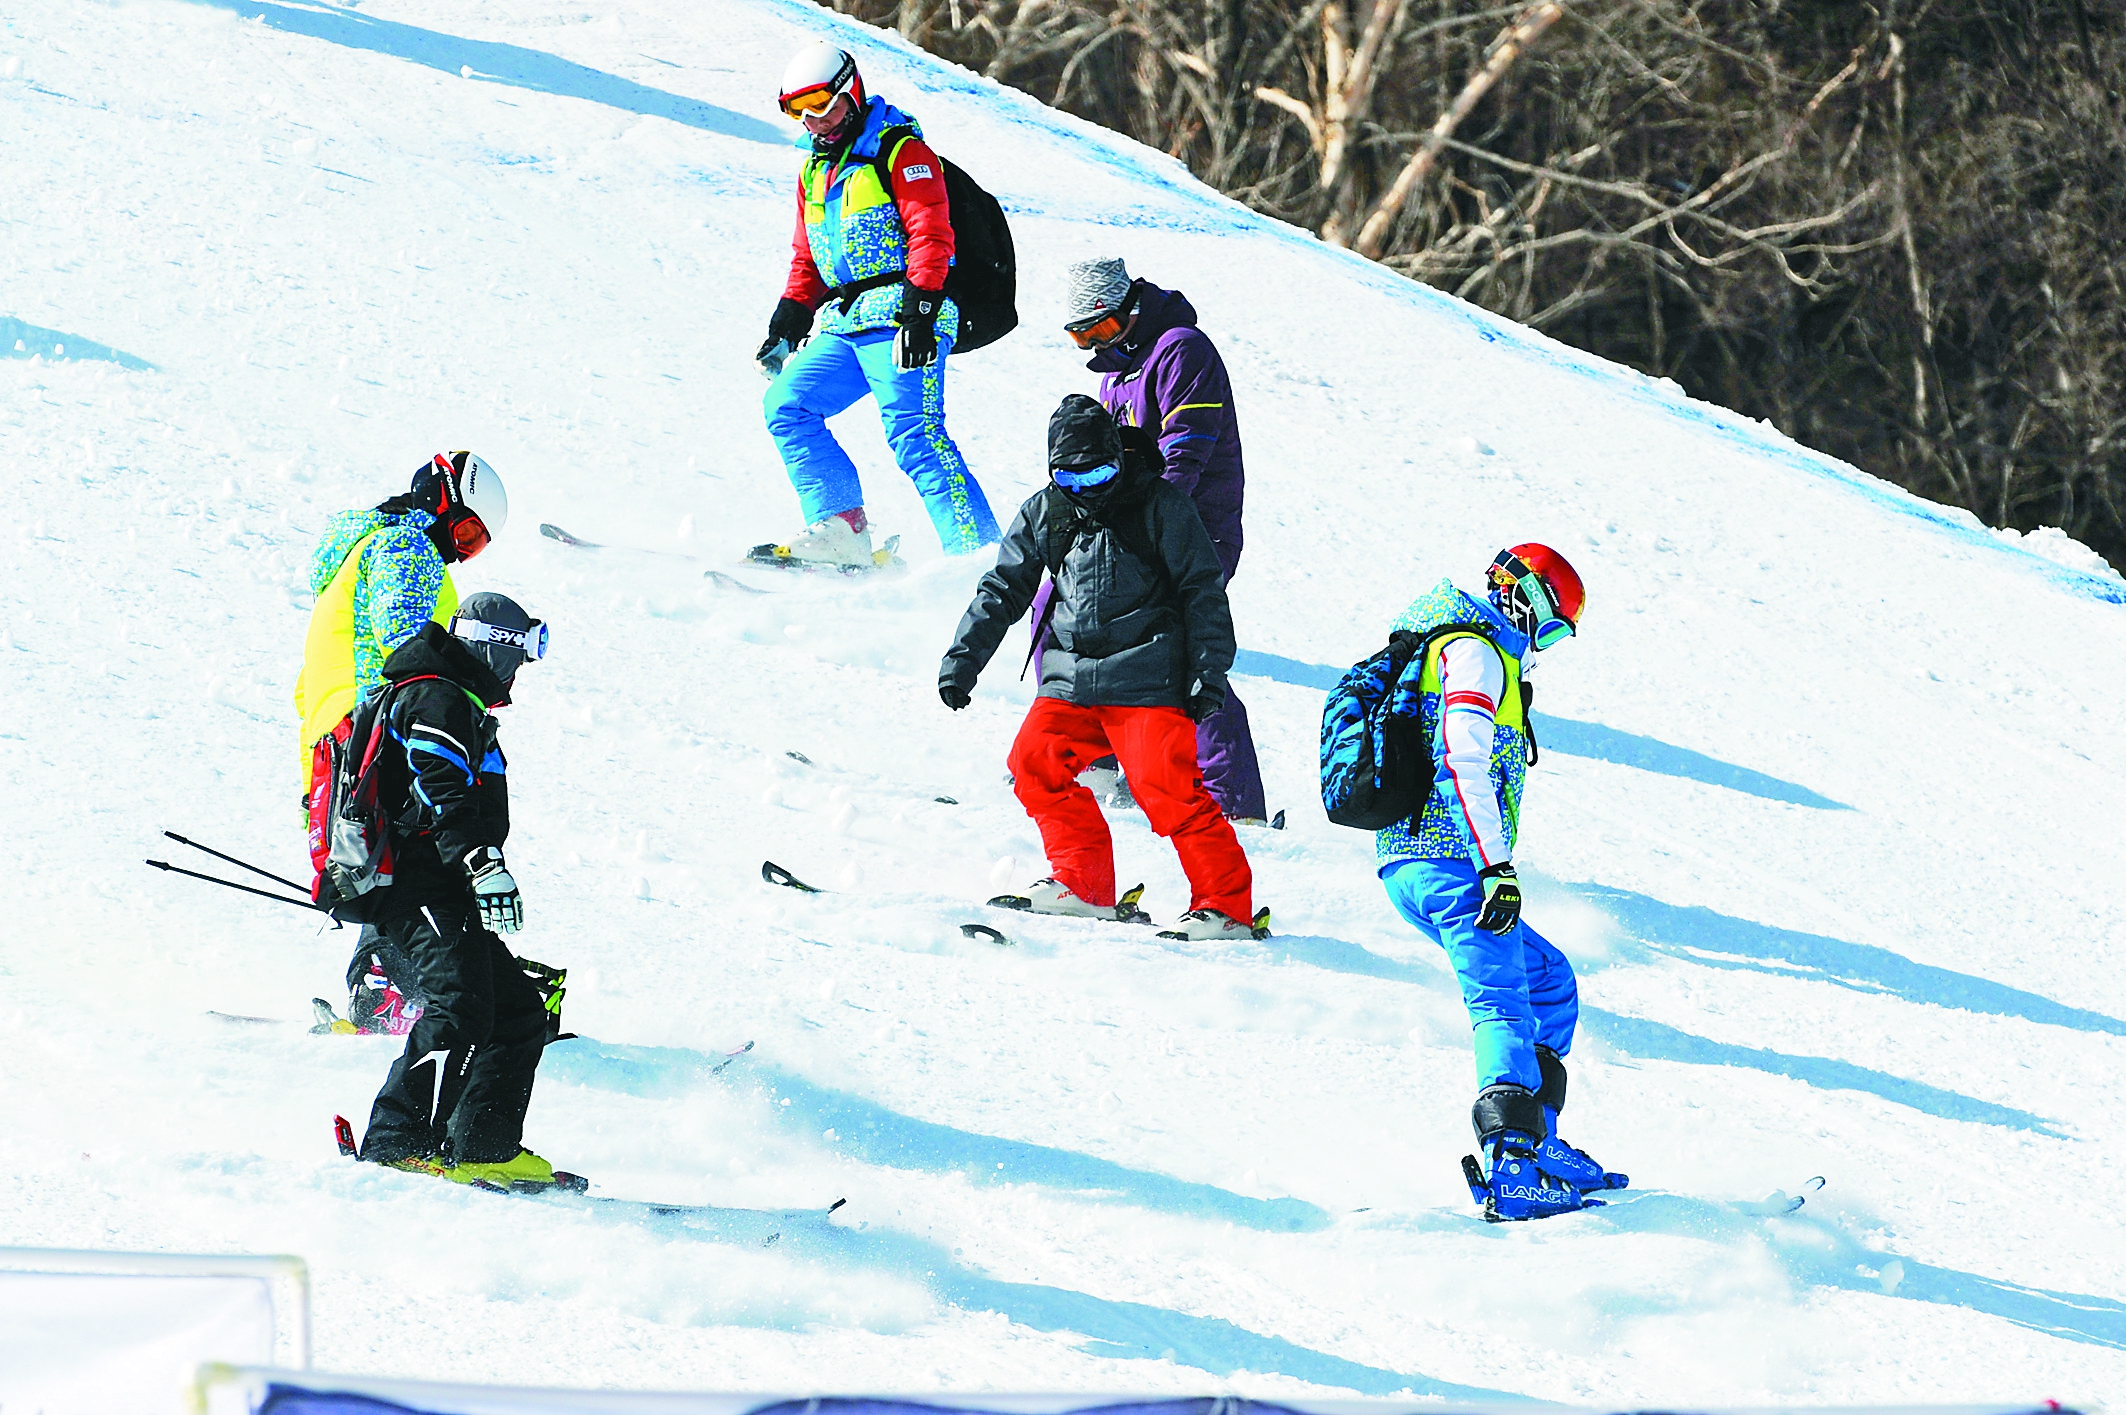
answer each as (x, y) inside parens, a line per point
(1158, 371)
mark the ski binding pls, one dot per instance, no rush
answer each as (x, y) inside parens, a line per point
(1126, 910)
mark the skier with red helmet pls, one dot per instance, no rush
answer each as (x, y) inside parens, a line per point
(873, 244)
(1448, 869)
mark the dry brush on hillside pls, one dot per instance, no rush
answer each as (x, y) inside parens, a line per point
(1894, 230)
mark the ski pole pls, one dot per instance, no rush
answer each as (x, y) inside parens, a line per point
(231, 884)
(236, 862)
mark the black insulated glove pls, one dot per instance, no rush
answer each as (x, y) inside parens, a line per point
(787, 328)
(953, 695)
(1205, 699)
(916, 346)
(1502, 899)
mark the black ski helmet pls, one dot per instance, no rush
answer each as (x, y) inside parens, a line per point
(498, 632)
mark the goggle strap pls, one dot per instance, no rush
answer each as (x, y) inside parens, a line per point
(530, 642)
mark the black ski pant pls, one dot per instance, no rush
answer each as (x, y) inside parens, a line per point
(460, 1089)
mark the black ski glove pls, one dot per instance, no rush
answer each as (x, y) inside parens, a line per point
(787, 328)
(494, 891)
(953, 695)
(1502, 899)
(916, 346)
(1206, 698)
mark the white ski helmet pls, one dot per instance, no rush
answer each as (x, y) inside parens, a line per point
(480, 491)
(819, 74)
(465, 496)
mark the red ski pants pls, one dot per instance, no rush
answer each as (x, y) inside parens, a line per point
(1157, 749)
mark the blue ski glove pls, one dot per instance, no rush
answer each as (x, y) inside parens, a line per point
(494, 891)
(1502, 899)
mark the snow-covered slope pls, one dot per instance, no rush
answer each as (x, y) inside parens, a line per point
(1829, 813)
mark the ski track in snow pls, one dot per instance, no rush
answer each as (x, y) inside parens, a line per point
(1827, 817)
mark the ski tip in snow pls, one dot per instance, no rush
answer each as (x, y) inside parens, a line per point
(553, 532)
(776, 874)
(343, 1134)
(983, 931)
(1780, 1202)
(730, 1056)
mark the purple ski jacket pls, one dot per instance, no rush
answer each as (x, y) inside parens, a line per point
(1167, 377)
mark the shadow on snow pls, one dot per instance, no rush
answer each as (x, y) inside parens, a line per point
(26, 341)
(1581, 739)
(1693, 933)
(1653, 1041)
(502, 63)
(1824, 1254)
(1114, 1329)
(876, 1135)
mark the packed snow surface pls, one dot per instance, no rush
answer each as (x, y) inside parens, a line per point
(1828, 813)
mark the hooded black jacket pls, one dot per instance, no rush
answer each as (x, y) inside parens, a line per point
(445, 783)
(1124, 633)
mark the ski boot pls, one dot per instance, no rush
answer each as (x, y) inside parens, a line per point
(1512, 1185)
(1048, 896)
(525, 1174)
(1575, 1167)
(376, 1005)
(830, 544)
(1200, 924)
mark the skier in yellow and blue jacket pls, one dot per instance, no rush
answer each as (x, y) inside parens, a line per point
(378, 576)
(872, 248)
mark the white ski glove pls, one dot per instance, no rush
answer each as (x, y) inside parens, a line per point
(494, 891)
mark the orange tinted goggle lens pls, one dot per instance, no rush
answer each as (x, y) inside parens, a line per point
(812, 100)
(1101, 331)
(469, 534)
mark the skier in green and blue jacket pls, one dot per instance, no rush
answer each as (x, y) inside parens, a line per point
(1449, 871)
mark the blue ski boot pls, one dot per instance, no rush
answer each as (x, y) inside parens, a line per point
(1575, 1167)
(1513, 1183)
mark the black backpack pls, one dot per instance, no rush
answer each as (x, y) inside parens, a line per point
(984, 280)
(1376, 766)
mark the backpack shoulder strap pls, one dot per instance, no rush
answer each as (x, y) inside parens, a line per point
(889, 147)
(379, 708)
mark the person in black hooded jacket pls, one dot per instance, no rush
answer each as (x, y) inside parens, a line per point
(1140, 639)
(454, 1102)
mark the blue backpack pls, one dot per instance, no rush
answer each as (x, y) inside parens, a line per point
(1376, 766)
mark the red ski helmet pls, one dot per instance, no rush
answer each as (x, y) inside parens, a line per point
(1539, 591)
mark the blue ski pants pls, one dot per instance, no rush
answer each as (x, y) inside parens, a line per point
(1518, 988)
(827, 376)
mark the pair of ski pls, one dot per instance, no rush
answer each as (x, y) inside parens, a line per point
(1125, 909)
(761, 555)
